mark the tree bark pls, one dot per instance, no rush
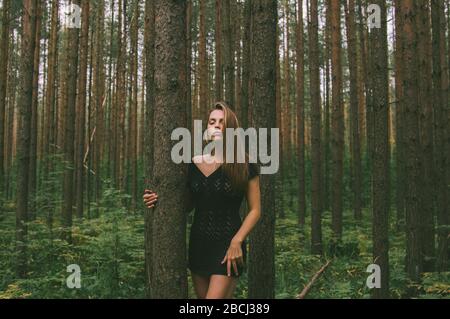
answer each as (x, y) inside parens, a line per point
(354, 113)
(426, 131)
(24, 132)
(203, 61)
(69, 151)
(218, 41)
(300, 86)
(441, 116)
(169, 278)
(261, 277)
(337, 120)
(414, 261)
(316, 167)
(380, 183)
(4, 55)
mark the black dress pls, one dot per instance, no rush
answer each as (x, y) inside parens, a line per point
(216, 220)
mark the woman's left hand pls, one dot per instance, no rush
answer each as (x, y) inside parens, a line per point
(233, 256)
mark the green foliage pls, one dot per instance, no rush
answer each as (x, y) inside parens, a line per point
(108, 249)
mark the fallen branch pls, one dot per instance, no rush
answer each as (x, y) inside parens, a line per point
(307, 288)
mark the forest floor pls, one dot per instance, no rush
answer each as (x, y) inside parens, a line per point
(109, 251)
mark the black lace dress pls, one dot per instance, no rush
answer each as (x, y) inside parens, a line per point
(216, 220)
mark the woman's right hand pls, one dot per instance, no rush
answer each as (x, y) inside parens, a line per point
(150, 198)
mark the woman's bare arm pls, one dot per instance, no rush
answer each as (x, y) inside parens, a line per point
(254, 213)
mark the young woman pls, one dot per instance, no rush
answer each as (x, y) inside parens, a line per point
(217, 244)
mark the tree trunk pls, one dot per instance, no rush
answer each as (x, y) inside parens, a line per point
(34, 116)
(149, 43)
(354, 113)
(134, 105)
(414, 260)
(69, 151)
(337, 120)
(326, 124)
(426, 131)
(189, 64)
(300, 86)
(218, 41)
(98, 99)
(261, 277)
(228, 52)
(279, 177)
(4, 55)
(50, 100)
(24, 132)
(203, 61)
(440, 106)
(81, 106)
(399, 120)
(380, 183)
(316, 167)
(246, 58)
(169, 278)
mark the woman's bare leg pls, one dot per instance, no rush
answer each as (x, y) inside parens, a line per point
(201, 285)
(221, 287)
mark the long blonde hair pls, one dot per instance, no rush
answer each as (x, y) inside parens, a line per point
(236, 172)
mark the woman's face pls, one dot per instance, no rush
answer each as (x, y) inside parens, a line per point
(216, 124)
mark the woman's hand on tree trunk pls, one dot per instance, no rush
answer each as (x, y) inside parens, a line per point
(150, 198)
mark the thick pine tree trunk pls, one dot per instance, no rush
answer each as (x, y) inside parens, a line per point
(414, 260)
(69, 151)
(426, 131)
(440, 106)
(380, 161)
(261, 277)
(169, 278)
(149, 42)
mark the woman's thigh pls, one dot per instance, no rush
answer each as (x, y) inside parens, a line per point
(201, 284)
(221, 287)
